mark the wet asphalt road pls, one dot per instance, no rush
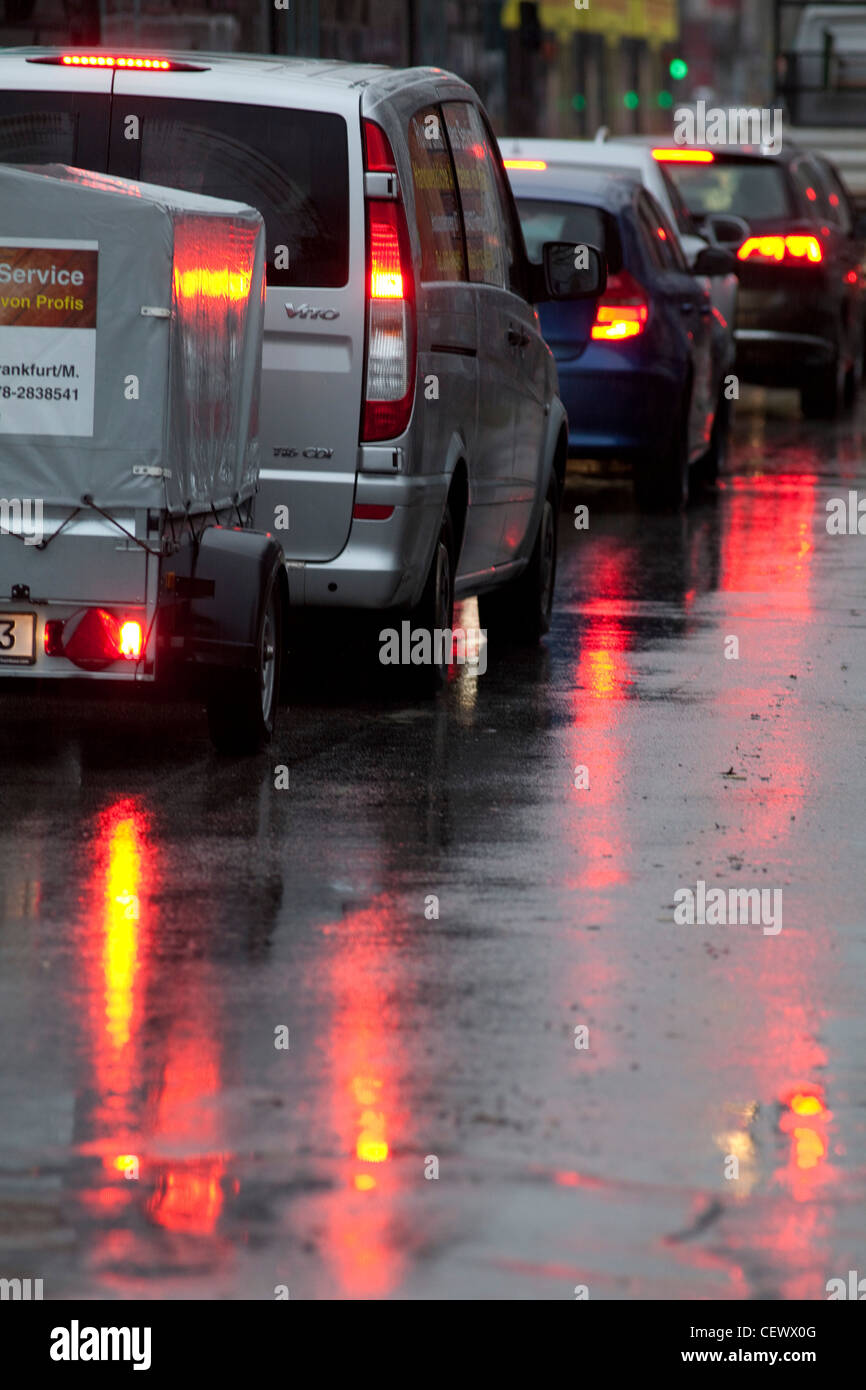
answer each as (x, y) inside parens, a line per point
(164, 913)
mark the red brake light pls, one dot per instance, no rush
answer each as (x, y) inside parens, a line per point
(680, 155)
(795, 249)
(103, 60)
(391, 331)
(93, 638)
(378, 155)
(386, 272)
(138, 61)
(623, 311)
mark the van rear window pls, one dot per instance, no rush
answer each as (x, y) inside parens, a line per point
(291, 165)
(37, 137)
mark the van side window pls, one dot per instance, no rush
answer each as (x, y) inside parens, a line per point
(479, 196)
(515, 250)
(293, 166)
(437, 208)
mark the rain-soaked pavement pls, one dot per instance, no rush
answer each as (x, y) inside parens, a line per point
(165, 914)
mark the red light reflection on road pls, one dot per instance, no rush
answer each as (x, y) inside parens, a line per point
(602, 680)
(364, 1051)
(150, 1101)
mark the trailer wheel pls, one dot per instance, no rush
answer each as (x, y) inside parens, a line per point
(242, 705)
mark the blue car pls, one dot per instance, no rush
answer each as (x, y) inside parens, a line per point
(642, 372)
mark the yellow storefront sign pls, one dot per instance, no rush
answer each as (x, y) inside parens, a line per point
(656, 20)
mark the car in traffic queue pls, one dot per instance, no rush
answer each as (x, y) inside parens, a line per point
(637, 371)
(800, 315)
(414, 441)
(646, 158)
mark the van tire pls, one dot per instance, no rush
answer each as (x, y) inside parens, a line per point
(435, 610)
(242, 704)
(519, 613)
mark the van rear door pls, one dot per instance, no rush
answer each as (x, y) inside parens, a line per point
(50, 114)
(297, 158)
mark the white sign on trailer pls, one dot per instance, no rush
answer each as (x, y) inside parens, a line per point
(48, 293)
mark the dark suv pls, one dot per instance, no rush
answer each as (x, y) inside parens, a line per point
(800, 317)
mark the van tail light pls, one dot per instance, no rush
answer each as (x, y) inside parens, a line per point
(798, 248)
(391, 330)
(622, 311)
(93, 638)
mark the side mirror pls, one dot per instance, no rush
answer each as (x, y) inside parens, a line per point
(725, 228)
(714, 260)
(569, 270)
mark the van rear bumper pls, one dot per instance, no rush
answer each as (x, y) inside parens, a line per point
(384, 563)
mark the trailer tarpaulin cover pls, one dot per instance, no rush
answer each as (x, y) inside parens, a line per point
(131, 323)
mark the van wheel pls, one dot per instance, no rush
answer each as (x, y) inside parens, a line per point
(435, 611)
(242, 705)
(520, 611)
(661, 476)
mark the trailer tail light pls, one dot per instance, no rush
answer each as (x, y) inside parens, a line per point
(93, 638)
(391, 331)
(623, 310)
(53, 637)
(130, 641)
(796, 249)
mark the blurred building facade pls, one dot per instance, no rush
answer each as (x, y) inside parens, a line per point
(544, 67)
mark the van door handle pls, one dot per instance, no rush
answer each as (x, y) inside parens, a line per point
(517, 338)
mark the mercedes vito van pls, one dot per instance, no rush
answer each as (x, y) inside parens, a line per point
(413, 439)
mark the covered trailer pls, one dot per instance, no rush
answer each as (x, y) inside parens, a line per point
(131, 322)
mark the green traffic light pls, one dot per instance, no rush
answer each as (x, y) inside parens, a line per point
(631, 100)
(678, 68)
(665, 100)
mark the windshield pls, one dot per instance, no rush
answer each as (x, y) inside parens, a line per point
(754, 189)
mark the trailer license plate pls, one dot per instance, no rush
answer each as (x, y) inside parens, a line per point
(17, 639)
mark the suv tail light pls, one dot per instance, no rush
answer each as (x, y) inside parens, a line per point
(799, 248)
(623, 310)
(391, 329)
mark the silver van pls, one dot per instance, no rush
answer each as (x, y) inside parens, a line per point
(413, 440)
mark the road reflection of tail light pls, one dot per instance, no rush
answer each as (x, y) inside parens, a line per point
(795, 249)
(623, 311)
(805, 1120)
(391, 342)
